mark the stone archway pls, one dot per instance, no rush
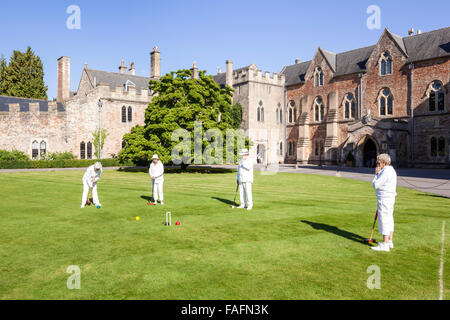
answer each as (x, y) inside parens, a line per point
(369, 152)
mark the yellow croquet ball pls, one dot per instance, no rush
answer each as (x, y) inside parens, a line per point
(137, 218)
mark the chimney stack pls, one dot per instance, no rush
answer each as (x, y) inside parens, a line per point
(63, 79)
(194, 71)
(411, 31)
(297, 61)
(419, 31)
(132, 71)
(155, 64)
(219, 70)
(229, 73)
(123, 68)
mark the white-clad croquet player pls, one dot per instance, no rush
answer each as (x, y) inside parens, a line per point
(244, 179)
(156, 173)
(90, 181)
(385, 185)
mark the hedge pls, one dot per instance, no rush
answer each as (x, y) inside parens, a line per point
(73, 163)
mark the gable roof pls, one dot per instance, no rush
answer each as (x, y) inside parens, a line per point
(330, 57)
(295, 73)
(352, 61)
(428, 45)
(115, 79)
(398, 40)
(424, 46)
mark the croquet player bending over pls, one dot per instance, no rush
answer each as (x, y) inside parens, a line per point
(385, 185)
(90, 180)
(244, 179)
(156, 172)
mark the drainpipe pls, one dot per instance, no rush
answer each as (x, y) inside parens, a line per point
(284, 123)
(411, 68)
(360, 98)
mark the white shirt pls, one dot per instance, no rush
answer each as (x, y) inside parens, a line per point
(385, 183)
(90, 175)
(245, 171)
(157, 171)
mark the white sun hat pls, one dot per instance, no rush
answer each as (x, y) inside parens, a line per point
(97, 165)
(155, 156)
(244, 152)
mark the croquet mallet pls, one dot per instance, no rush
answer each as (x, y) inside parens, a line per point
(372, 240)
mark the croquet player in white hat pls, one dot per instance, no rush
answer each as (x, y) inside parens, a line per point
(244, 179)
(385, 185)
(156, 172)
(90, 180)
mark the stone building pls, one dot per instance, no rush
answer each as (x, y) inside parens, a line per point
(261, 96)
(391, 97)
(37, 127)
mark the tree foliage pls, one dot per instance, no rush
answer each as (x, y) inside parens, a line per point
(178, 101)
(96, 138)
(23, 76)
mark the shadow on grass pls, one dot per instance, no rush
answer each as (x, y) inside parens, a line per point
(229, 202)
(432, 195)
(336, 231)
(147, 198)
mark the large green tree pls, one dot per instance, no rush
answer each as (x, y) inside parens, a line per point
(179, 100)
(23, 76)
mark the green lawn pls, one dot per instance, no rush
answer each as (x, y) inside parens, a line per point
(301, 241)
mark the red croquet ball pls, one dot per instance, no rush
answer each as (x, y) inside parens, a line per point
(178, 223)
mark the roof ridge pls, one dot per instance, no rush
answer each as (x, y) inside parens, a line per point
(117, 73)
(424, 33)
(366, 47)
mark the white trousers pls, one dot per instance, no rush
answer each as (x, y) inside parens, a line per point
(245, 194)
(86, 193)
(158, 190)
(385, 208)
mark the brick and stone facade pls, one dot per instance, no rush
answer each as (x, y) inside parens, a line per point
(389, 84)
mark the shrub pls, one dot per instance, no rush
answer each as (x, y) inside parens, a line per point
(14, 155)
(60, 163)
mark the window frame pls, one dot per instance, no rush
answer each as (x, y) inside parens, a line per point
(385, 102)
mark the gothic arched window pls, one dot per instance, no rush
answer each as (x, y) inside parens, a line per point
(130, 114)
(319, 109)
(436, 96)
(318, 77)
(43, 147)
(386, 102)
(35, 150)
(89, 150)
(349, 106)
(385, 64)
(82, 150)
(124, 114)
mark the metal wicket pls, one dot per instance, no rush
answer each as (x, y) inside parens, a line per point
(168, 218)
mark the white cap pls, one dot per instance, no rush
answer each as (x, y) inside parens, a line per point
(155, 156)
(97, 165)
(244, 152)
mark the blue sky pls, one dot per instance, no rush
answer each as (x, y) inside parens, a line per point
(269, 33)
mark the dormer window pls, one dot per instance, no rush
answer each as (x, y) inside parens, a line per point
(386, 64)
(318, 77)
(128, 84)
